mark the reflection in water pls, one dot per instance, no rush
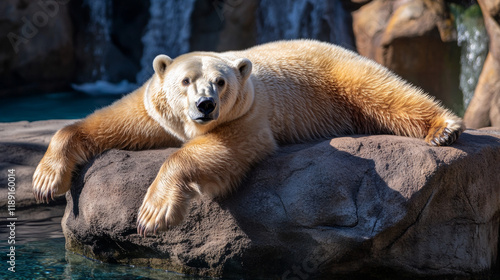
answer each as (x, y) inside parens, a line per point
(40, 252)
(38, 223)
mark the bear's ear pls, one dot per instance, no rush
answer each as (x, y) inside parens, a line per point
(160, 64)
(244, 66)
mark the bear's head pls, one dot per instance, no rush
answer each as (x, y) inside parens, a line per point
(197, 91)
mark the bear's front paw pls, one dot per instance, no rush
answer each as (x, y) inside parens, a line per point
(49, 182)
(162, 208)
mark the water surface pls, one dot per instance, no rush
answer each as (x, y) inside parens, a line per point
(40, 252)
(60, 105)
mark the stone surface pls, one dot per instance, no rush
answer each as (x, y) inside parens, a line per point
(382, 206)
(415, 39)
(22, 146)
(484, 108)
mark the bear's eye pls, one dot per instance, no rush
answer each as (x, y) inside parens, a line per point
(185, 82)
(221, 82)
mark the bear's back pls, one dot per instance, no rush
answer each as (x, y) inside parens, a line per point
(300, 82)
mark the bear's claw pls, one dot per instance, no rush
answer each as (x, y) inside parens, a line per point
(160, 211)
(445, 135)
(48, 184)
(150, 220)
(43, 196)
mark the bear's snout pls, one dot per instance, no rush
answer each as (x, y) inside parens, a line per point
(206, 105)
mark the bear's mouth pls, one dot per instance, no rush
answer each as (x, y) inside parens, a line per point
(200, 118)
(203, 120)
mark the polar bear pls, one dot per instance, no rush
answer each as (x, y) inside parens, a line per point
(230, 110)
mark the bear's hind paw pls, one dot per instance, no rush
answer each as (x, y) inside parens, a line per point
(445, 135)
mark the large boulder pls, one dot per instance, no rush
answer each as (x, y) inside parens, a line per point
(484, 108)
(361, 205)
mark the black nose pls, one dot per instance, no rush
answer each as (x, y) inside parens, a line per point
(206, 105)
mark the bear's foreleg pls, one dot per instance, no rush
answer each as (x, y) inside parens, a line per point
(123, 125)
(212, 164)
(52, 176)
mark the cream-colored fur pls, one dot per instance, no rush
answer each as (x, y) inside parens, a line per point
(282, 92)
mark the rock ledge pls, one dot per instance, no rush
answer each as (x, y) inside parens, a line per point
(362, 205)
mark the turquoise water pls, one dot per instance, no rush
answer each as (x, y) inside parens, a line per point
(40, 252)
(61, 105)
(47, 259)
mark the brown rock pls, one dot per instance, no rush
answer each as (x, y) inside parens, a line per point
(491, 14)
(352, 206)
(369, 23)
(484, 108)
(415, 39)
